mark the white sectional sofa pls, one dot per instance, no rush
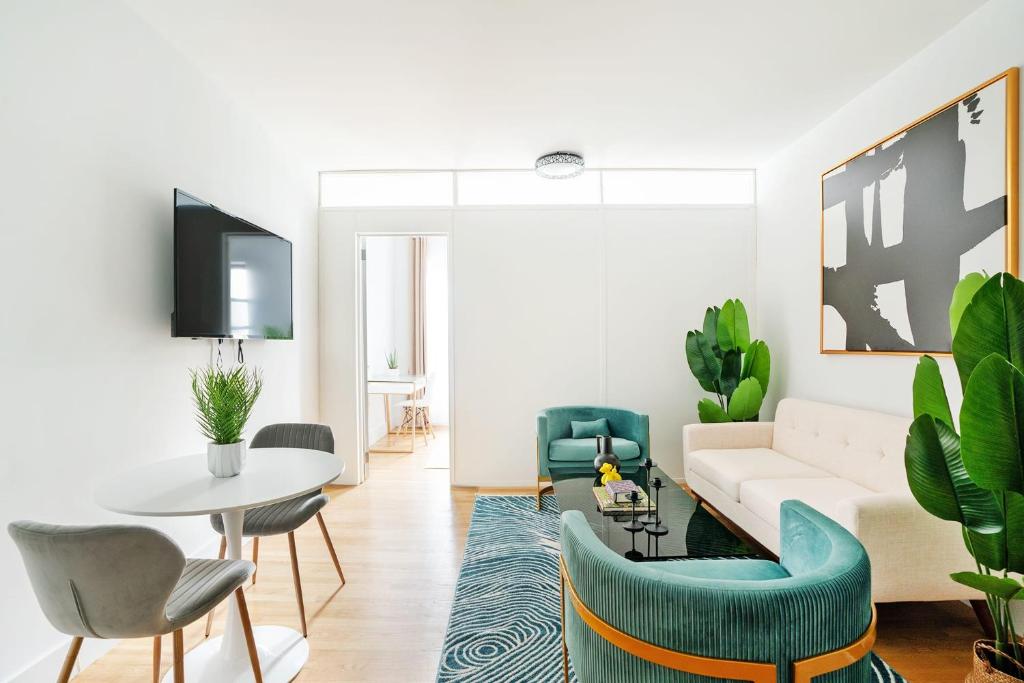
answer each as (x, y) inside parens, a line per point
(847, 464)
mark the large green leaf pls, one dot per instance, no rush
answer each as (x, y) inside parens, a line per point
(711, 326)
(939, 480)
(709, 411)
(1001, 587)
(1015, 532)
(757, 363)
(746, 400)
(703, 362)
(731, 366)
(988, 549)
(733, 328)
(962, 295)
(992, 323)
(992, 424)
(930, 392)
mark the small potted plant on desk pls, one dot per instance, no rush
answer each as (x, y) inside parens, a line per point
(392, 361)
(224, 401)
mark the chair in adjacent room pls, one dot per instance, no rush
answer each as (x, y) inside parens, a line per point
(287, 516)
(119, 581)
(565, 437)
(416, 411)
(738, 619)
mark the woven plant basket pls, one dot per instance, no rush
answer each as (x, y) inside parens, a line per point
(983, 671)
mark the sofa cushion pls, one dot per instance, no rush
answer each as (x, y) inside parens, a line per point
(728, 468)
(590, 429)
(862, 446)
(581, 450)
(737, 570)
(764, 497)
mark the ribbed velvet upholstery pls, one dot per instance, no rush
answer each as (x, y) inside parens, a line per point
(120, 581)
(824, 604)
(556, 423)
(203, 584)
(288, 515)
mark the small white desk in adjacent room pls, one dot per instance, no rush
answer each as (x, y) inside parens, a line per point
(403, 385)
(184, 487)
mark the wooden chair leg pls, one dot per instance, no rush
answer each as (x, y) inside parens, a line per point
(430, 425)
(157, 644)
(330, 546)
(403, 427)
(297, 581)
(69, 660)
(220, 556)
(250, 642)
(255, 556)
(179, 656)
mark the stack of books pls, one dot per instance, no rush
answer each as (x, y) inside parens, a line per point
(607, 504)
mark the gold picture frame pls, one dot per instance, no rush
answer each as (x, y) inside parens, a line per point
(1012, 179)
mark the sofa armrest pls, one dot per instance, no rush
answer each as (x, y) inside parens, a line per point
(912, 553)
(697, 437)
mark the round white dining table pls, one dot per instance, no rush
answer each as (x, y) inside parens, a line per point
(182, 487)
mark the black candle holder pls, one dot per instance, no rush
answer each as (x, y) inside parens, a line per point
(633, 527)
(650, 517)
(655, 527)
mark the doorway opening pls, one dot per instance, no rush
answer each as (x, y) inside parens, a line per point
(405, 351)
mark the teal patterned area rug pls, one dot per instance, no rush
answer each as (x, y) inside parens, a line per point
(504, 625)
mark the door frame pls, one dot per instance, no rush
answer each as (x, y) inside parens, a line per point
(362, 397)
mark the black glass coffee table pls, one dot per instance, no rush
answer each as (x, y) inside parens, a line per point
(692, 531)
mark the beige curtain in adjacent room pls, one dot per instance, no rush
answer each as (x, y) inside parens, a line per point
(419, 354)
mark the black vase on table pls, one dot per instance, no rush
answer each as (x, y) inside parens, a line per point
(605, 455)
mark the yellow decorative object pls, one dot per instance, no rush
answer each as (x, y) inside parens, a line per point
(609, 473)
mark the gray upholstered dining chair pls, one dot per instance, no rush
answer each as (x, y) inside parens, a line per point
(287, 516)
(120, 581)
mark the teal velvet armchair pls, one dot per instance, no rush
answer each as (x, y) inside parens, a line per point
(630, 432)
(809, 615)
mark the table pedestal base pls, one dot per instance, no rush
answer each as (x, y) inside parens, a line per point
(283, 652)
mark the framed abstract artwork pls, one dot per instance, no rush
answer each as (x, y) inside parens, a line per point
(903, 220)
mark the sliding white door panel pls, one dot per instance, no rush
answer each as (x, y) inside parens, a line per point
(665, 267)
(527, 333)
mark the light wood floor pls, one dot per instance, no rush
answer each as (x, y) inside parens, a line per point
(401, 537)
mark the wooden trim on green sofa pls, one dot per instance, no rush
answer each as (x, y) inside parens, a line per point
(756, 672)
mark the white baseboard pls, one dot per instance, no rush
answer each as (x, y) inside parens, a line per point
(46, 667)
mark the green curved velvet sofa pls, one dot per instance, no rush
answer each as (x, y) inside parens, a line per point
(815, 601)
(630, 432)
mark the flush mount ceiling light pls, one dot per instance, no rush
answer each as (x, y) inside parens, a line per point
(560, 165)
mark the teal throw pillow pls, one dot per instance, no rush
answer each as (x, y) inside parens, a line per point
(588, 430)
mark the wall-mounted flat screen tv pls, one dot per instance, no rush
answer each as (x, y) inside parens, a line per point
(232, 279)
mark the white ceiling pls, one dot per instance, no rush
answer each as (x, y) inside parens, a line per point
(495, 83)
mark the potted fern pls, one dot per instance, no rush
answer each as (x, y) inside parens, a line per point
(224, 401)
(976, 477)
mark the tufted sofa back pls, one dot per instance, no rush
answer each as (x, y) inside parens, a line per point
(862, 446)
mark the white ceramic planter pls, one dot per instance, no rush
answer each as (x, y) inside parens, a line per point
(392, 372)
(225, 460)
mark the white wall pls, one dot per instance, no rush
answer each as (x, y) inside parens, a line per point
(388, 316)
(435, 332)
(100, 120)
(984, 44)
(551, 306)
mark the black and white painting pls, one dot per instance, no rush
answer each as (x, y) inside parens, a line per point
(905, 220)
